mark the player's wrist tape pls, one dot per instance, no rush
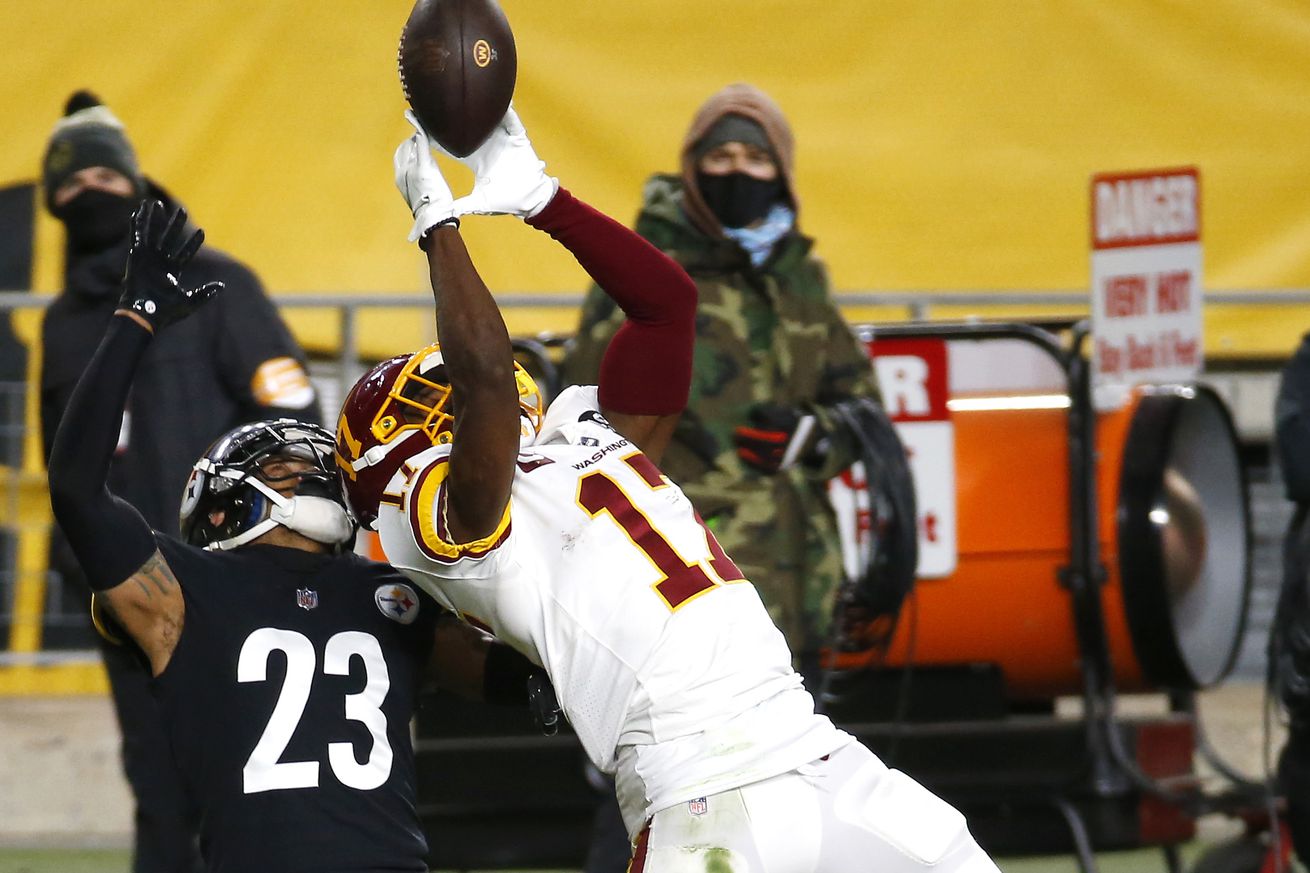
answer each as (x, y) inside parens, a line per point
(135, 317)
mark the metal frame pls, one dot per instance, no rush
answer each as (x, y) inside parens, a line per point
(1113, 769)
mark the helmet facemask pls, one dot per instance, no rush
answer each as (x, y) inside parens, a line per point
(531, 405)
(262, 476)
(420, 399)
(417, 400)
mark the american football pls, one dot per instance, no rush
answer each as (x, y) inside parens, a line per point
(457, 69)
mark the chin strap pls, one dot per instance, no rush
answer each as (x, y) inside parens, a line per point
(321, 519)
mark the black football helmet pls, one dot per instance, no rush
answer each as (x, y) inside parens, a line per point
(230, 498)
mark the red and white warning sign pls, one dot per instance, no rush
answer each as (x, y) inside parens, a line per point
(914, 379)
(1146, 281)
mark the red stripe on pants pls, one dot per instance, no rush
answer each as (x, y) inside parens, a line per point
(638, 862)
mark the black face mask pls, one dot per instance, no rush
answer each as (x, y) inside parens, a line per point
(96, 220)
(738, 199)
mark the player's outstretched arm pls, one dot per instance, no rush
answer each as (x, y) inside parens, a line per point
(475, 348)
(480, 366)
(112, 541)
(645, 375)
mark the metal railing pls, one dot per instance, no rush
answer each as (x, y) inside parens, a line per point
(917, 305)
(28, 595)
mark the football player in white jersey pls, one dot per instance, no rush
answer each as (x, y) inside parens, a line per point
(555, 531)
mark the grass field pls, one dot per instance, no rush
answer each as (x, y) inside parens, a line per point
(116, 861)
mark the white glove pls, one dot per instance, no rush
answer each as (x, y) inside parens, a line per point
(420, 182)
(509, 178)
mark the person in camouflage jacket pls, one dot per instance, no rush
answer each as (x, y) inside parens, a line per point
(771, 347)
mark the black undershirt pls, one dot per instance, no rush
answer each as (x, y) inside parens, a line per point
(110, 538)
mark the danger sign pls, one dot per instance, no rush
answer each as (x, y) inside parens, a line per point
(1146, 281)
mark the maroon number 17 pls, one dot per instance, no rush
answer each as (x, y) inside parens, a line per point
(681, 581)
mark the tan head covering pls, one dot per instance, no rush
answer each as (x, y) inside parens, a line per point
(750, 102)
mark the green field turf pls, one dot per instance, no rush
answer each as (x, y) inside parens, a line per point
(110, 861)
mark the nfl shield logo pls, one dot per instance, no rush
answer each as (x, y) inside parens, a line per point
(697, 806)
(306, 598)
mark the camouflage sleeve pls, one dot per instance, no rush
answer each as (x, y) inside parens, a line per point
(599, 320)
(849, 373)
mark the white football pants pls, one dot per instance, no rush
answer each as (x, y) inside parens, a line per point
(844, 814)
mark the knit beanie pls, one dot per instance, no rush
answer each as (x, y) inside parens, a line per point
(88, 135)
(733, 128)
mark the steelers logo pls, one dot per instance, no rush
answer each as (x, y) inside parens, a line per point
(482, 53)
(191, 495)
(60, 157)
(397, 602)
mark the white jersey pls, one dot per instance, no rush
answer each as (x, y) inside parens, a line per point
(663, 658)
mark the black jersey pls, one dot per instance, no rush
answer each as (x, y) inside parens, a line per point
(288, 701)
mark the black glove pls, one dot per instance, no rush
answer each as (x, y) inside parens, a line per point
(152, 286)
(776, 434)
(543, 704)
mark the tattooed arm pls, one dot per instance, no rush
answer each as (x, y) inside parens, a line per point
(149, 607)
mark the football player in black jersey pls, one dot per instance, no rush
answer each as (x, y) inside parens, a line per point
(285, 666)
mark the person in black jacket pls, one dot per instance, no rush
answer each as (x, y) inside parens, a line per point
(234, 362)
(286, 667)
(1289, 638)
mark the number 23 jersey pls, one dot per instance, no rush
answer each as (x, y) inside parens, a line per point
(663, 657)
(287, 703)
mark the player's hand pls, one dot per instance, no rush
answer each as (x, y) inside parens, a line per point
(152, 283)
(420, 182)
(776, 437)
(508, 177)
(543, 704)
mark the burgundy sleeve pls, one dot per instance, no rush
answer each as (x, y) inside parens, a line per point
(647, 367)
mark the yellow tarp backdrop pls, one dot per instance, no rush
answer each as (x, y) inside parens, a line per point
(942, 143)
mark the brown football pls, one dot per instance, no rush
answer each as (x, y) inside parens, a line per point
(457, 69)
